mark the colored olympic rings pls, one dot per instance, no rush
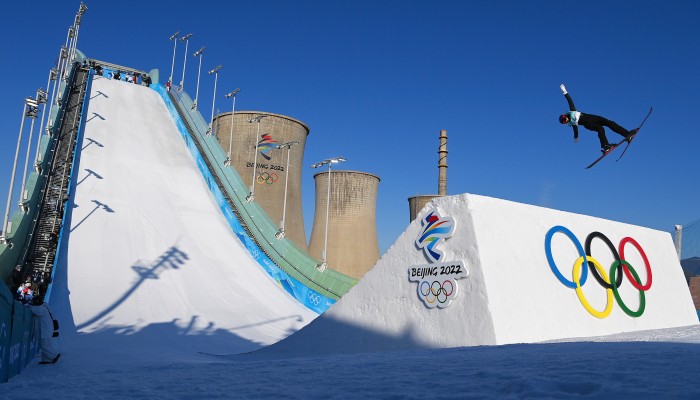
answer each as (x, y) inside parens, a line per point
(605, 280)
(594, 271)
(439, 292)
(623, 242)
(264, 177)
(550, 259)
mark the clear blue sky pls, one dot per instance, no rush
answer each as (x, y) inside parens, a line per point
(377, 80)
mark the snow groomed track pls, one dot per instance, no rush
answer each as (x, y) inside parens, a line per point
(148, 253)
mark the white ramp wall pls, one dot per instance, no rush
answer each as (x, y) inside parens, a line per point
(511, 293)
(529, 303)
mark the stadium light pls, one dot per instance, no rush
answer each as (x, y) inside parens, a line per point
(172, 65)
(210, 129)
(280, 233)
(227, 162)
(329, 161)
(198, 53)
(257, 119)
(185, 39)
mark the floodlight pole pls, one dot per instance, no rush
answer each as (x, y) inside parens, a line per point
(330, 161)
(42, 98)
(210, 129)
(56, 86)
(76, 24)
(257, 119)
(3, 237)
(172, 65)
(227, 162)
(198, 53)
(185, 39)
(34, 109)
(280, 233)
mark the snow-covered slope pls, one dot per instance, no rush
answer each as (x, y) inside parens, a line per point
(150, 265)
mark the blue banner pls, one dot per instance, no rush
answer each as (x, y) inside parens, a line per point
(18, 345)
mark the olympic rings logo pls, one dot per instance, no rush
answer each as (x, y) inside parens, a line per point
(436, 291)
(314, 298)
(264, 177)
(580, 273)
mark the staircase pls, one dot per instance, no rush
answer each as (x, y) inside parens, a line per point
(41, 251)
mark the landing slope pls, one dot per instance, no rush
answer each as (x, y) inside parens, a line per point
(473, 270)
(150, 266)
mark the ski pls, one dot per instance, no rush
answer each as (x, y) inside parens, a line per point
(604, 154)
(616, 145)
(633, 136)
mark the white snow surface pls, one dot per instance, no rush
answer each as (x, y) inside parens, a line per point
(150, 263)
(152, 277)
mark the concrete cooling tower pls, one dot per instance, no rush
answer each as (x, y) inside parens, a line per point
(268, 130)
(352, 247)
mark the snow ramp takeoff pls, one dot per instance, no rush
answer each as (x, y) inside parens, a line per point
(474, 270)
(150, 263)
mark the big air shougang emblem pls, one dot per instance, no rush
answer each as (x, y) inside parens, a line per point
(437, 281)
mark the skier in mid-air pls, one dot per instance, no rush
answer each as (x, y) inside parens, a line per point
(591, 122)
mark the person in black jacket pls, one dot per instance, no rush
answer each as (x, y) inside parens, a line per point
(591, 122)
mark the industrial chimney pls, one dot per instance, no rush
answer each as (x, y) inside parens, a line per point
(416, 203)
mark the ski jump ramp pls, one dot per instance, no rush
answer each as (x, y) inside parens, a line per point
(473, 270)
(150, 263)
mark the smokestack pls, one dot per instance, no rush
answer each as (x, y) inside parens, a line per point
(442, 164)
(416, 203)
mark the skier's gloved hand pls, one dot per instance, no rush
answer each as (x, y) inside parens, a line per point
(575, 140)
(563, 89)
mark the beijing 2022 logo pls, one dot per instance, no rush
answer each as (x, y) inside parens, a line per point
(437, 281)
(585, 261)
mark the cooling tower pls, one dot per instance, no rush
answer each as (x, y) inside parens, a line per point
(416, 203)
(268, 130)
(352, 247)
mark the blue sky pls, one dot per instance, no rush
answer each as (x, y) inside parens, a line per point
(377, 80)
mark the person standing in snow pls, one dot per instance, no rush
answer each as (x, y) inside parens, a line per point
(49, 355)
(591, 122)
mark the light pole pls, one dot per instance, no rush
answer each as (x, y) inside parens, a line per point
(198, 53)
(30, 108)
(32, 114)
(257, 119)
(172, 66)
(215, 71)
(55, 79)
(42, 97)
(185, 39)
(330, 161)
(227, 162)
(280, 233)
(76, 24)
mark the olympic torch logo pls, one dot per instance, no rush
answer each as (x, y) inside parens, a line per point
(437, 281)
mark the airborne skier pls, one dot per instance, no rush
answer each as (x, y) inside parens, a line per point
(593, 123)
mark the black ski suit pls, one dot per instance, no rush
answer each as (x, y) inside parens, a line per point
(593, 123)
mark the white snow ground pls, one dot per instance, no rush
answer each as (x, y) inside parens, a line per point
(149, 282)
(650, 365)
